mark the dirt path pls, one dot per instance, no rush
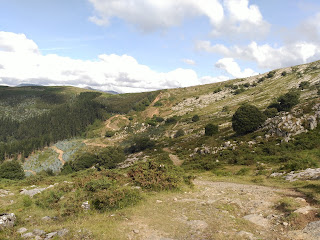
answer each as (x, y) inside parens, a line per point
(174, 158)
(95, 144)
(30, 171)
(60, 152)
(108, 124)
(215, 210)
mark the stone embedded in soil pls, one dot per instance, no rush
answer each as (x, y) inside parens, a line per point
(257, 219)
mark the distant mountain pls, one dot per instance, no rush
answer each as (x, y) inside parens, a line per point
(28, 85)
(94, 89)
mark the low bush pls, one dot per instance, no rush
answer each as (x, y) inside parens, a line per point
(109, 133)
(195, 118)
(172, 120)
(152, 175)
(140, 143)
(304, 85)
(115, 198)
(179, 133)
(286, 102)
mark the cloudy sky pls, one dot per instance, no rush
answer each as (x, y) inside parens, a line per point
(143, 45)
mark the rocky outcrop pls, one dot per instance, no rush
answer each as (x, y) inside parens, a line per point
(35, 190)
(287, 125)
(308, 174)
(7, 220)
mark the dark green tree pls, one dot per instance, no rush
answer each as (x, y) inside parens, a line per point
(211, 129)
(11, 170)
(246, 119)
(195, 118)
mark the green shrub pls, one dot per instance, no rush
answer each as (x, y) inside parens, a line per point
(48, 199)
(109, 133)
(195, 118)
(304, 85)
(159, 119)
(271, 74)
(211, 129)
(179, 133)
(67, 168)
(152, 175)
(11, 170)
(246, 119)
(158, 104)
(84, 161)
(115, 198)
(151, 122)
(99, 184)
(109, 157)
(217, 90)
(27, 201)
(238, 91)
(286, 102)
(243, 171)
(270, 112)
(140, 143)
(284, 73)
(246, 85)
(172, 120)
(260, 80)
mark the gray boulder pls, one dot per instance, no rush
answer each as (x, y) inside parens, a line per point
(7, 220)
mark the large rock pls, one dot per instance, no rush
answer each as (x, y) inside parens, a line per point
(313, 229)
(257, 219)
(7, 220)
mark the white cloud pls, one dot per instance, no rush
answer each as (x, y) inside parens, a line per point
(266, 56)
(189, 61)
(233, 17)
(22, 62)
(232, 67)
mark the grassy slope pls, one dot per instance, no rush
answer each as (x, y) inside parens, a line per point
(108, 227)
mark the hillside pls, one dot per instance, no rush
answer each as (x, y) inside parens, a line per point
(150, 166)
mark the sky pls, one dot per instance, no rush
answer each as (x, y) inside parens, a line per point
(145, 45)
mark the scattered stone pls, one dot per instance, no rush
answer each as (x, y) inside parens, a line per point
(305, 210)
(245, 235)
(22, 230)
(175, 199)
(7, 220)
(136, 231)
(28, 235)
(63, 232)
(46, 218)
(51, 235)
(158, 201)
(86, 205)
(285, 224)
(38, 232)
(4, 193)
(257, 219)
(198, 224)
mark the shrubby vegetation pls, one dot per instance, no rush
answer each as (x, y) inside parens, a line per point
(195, 118)
(211, 129)
(286, 102)
(11, 170)
(179, 133)
(107, 158)
(246, 119)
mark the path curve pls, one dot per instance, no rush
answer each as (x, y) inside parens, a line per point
(30, 171)
(174, 158)
(60, 152)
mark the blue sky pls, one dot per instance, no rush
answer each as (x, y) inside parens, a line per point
(142, 45)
